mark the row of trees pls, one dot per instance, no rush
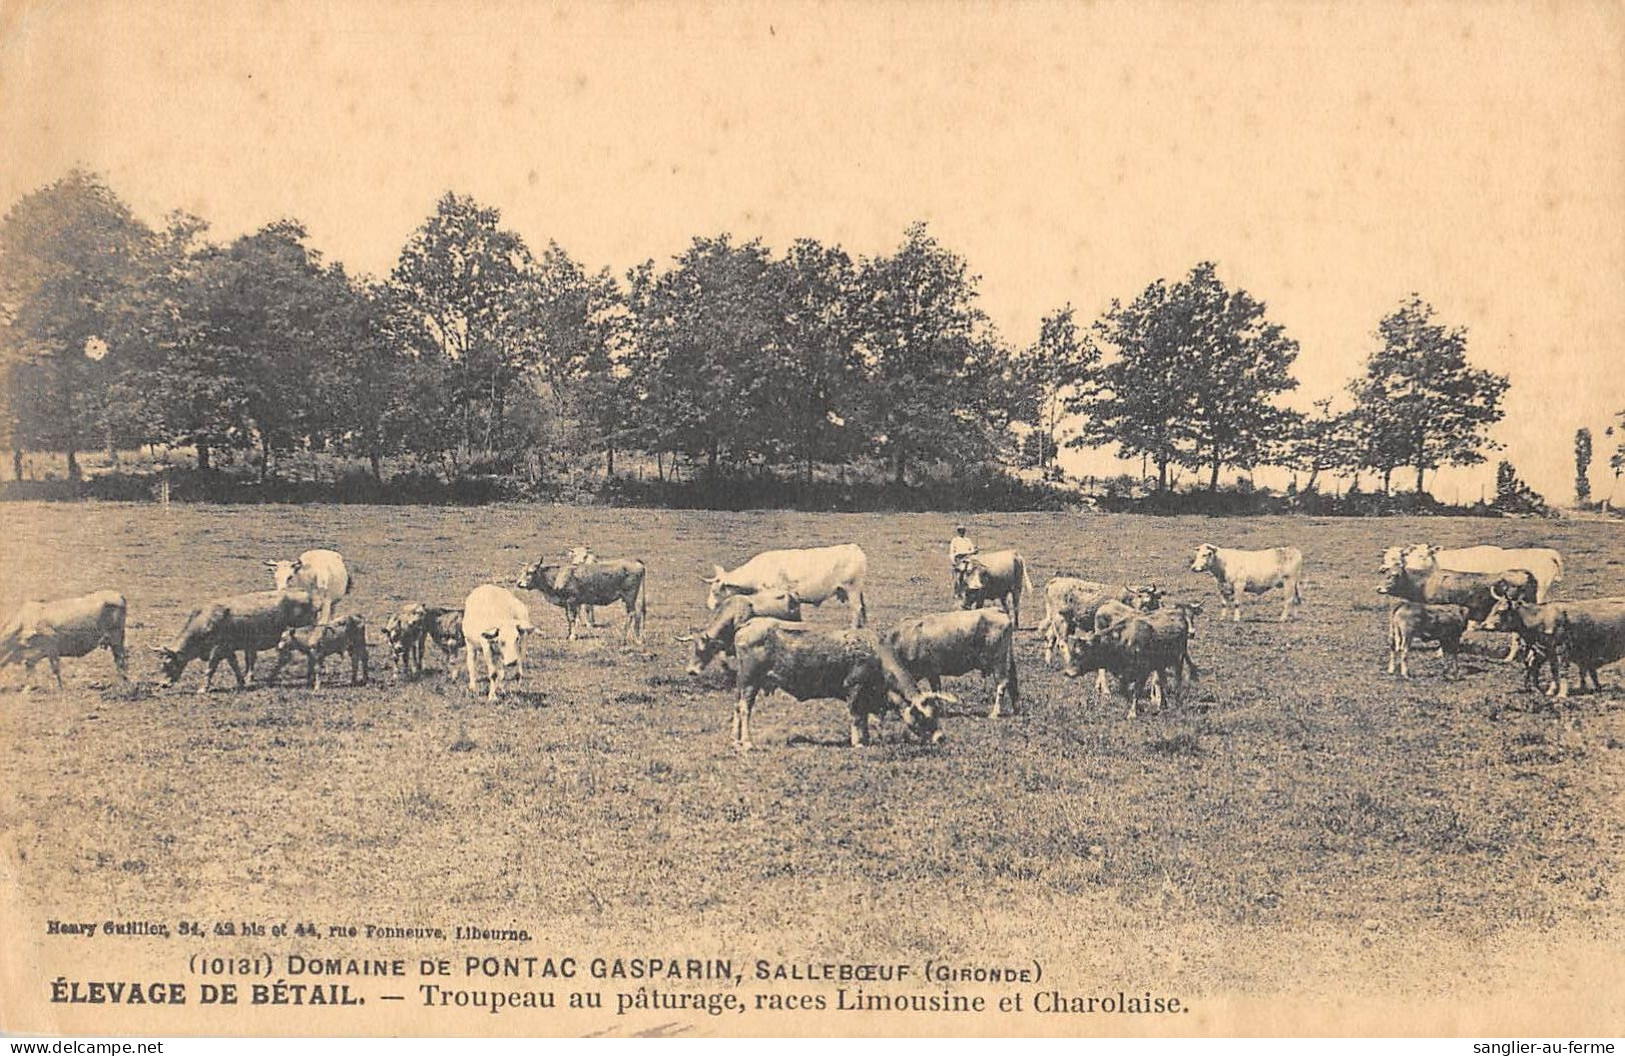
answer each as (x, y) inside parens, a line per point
(477, 351)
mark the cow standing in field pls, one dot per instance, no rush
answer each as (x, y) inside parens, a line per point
(494, 627)
(1242, 572)
(242, 623)
(814, 575)
(1545, 564)
(347, 636)
(320, 572)
(1145, 648)
(409, 630)
(597, 583)
(718, 635)
(997, 576)
(1412, 621)
(1475, 592)
(1070, 603)
(50, 630)
(1115, 612)
(850, 665)
(1591, 633)
(957, 643)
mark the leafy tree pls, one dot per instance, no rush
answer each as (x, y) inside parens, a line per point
(69, 255)
(460, 273)
(815, 354)
(1420, 404)
(1323, 443)
(1513, 495)
(1196, 369)
(1052, 367)
(1582, 466)
(576, 322)
(930, 357)
(703, 331)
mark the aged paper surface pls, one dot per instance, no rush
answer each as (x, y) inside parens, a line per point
(598, 861)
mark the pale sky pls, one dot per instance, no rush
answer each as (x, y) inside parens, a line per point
(1331, 157)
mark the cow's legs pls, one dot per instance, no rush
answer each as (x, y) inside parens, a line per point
(860, 614)
(249, 656)
(313, 670)
(473, 679)
(571, 612)
(1292, 598)
(860, 717)
(742, 706)
(56, 670)
(120, 660)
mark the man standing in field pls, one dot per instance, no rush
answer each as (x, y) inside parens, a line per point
(960, 547)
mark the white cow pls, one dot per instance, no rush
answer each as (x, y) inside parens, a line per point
(1241, 572)
(1545, 564)
(50, 630)
(494, 625)
(813, 575)
(321, 572)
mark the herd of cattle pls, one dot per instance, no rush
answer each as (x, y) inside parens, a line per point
(1127, 633)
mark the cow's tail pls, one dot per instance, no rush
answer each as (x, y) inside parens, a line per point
(640, 603)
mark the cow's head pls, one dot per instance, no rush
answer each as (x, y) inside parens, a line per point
(702, 650)
(1082, 653)
(1391, 558)
(1191, 609)
(1391, 579)
(580, 555)
(506, 643)
(282, 572)
(539, 576)
(1423, 557)
(170, 665)
(1504, 616)
(922, 716)
(1203, 559)
(1145, 596)
(721, 590)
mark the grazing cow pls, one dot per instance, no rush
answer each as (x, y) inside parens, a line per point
(494, 626)
(851, 665)
(50, 630)
(1241, 572)
(1591, 633)
(1070, 603)
(957, 643)
(596, 583)
(242, 623)
(1412, 621)
(998, 576)
(718, 635)
(1545, 564)
(813, 575)
(409, 630)
(1148, 647)
(321, 572)
(1474, 591)
(347, 636)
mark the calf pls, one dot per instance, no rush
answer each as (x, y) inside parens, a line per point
(852, 665)
(245, 623)
(718, 635)
(1242, 572)
(596, 583)
(494, 627)
(1412, 621)
(321, 572)
(1591, 633)
(1070, 603)
(957, 643)
(410, 629)
(347, 636)
(998, 576)
(50, 630)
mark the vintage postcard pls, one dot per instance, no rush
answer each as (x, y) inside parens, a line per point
(812, 519)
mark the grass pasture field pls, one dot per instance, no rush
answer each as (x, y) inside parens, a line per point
(1303, 823)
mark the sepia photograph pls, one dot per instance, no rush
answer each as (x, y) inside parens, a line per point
(812, 519)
